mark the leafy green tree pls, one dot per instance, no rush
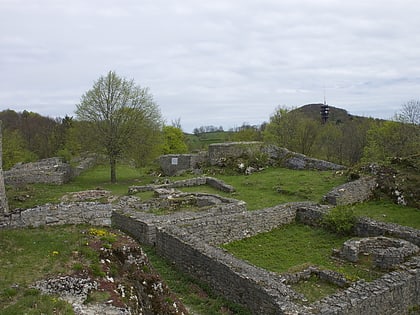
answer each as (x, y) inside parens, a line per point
(330, 143)
(173, 141)
(15, 149)
(280, 130)
(306, 134)
(391, 139)
(115, 108)
(146, 143)
(247, 133)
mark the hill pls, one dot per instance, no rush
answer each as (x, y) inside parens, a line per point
(337, 115)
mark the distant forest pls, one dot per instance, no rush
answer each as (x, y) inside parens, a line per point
(343, 138)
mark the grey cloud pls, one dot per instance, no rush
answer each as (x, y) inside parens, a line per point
(213, 62)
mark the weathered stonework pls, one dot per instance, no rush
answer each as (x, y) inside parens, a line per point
(352, 192)
(386, 252)
(197, 181)
(48, 171)
(220, 153)
(172, 164)
(297, 161)
(190, 241)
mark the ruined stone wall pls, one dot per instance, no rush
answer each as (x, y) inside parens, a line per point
(48, 171)
(172, 164)
(226, 228)
(218, 151)
(364, 227)
(58, 214)
(261, 291)
(391, 294)
(182, 239)
(297, 161)
(352, 192)
(197, 181)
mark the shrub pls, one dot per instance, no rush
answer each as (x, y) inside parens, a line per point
(340, 220)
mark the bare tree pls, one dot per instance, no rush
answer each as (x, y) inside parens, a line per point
(410, 112)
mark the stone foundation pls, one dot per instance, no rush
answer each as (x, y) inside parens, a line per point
(352, 192)
(386, 252)
(190, 241)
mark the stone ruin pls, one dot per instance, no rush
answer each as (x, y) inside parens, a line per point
(386, 252)
(190, 240)
(219, 153)
(46, 171)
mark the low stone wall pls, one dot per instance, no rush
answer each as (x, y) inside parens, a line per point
(366, 227)
(173, 164)
(223, 151)
(93, 213)
(189, 241)
(226, 228)
(191, 182)
(261, 291)
(297, 161)
(352, 192)
(386, 252)
(391, 294)
(49, 171)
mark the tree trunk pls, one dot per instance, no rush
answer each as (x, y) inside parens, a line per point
(113, 165)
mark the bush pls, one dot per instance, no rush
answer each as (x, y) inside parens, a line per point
(340, 220)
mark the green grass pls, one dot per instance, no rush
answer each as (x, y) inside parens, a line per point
(197, 296)
(27, 255)
(294, 247)
(285, 249)
(273, 186)
(386, 211)
(96, 178)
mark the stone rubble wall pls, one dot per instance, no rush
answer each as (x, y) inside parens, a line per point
(297, 161)
(181, 238)
(93, 213)
(173, 164)
(261, 291)
(386, 252)
(226, 228)
(191, 182)
(391, 294)
(218, 153)
(352, 192)
(366, 227)
(48, 171)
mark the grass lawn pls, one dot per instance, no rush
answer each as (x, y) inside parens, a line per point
(387, 211)
(27, 255)
(273, 186)
(295, 246)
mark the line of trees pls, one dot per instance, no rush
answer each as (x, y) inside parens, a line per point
(120, 120)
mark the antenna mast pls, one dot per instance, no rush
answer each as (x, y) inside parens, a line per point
(325, 109)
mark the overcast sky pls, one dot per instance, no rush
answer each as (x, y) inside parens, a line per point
(218, 62)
